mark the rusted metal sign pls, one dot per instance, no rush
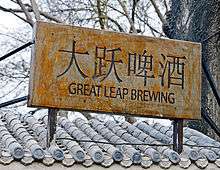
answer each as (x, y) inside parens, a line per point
(92, 70)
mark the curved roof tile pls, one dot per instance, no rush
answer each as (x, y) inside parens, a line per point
(23, 139)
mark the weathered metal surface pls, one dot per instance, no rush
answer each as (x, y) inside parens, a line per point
(85, 69)
(178, 135)
(51, 126)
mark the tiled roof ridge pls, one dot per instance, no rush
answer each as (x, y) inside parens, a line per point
(21, 133)
(188, 133)
(156, 133)
(41, 133)
(28, 134)
(204, 152)
(87, 129)
(133, 154)
(74, 148)
(10, 142)
(92, 148)
(134, 132)
(148, 150)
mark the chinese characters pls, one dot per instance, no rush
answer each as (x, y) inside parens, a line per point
(73, 60)
(141, 65)
(101, 60)
(174, 68)
(171, 69)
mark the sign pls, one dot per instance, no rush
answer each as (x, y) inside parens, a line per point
(85, 69)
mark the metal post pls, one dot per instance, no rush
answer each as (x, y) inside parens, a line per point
(178, 135)
(51, 126)
(175, 135)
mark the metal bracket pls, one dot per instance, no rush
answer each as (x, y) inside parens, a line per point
(178, 135)
(51, 126)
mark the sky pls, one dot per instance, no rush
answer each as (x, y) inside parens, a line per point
(7, 20)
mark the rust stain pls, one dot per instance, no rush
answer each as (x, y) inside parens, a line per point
(85, 69)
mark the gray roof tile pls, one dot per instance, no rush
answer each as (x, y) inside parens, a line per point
(92, 148)
(48, 160)
(6, 158)
(108, 161)
(73, 147)
(10, 142)
(68, 160)
(133, 154)
(126, 162)
(202, 163)
(23, 139)
(217, 162)
(165, 163)
(151, 152)
(192, 153)
(88, 161)
(184, 163)
(27, 159)
(146, 162)
(112, 150)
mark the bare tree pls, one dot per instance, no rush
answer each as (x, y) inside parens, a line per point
(136, 16)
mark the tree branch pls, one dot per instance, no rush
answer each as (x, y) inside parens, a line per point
(12, 12)
(29, 8)
(46, 15)
(115, 9)
(133, 9)
(149, 26)
(115, 22)
(28, 16)
(13, 37)
(101, 22)
(127, 16)
(157, 10)
(166, 6)
(35, 9)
